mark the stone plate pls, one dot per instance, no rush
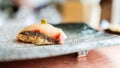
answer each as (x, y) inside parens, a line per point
(80, 38)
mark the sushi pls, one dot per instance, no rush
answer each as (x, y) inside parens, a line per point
(42, 34)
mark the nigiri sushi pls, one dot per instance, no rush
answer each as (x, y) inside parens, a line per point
(42, 34)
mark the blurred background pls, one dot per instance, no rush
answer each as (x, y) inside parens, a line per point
(91, 12)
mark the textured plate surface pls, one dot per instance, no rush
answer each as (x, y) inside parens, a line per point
(80, 38)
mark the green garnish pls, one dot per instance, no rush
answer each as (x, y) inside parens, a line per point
(43, 21)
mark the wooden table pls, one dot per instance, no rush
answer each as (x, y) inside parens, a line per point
(97, 58)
